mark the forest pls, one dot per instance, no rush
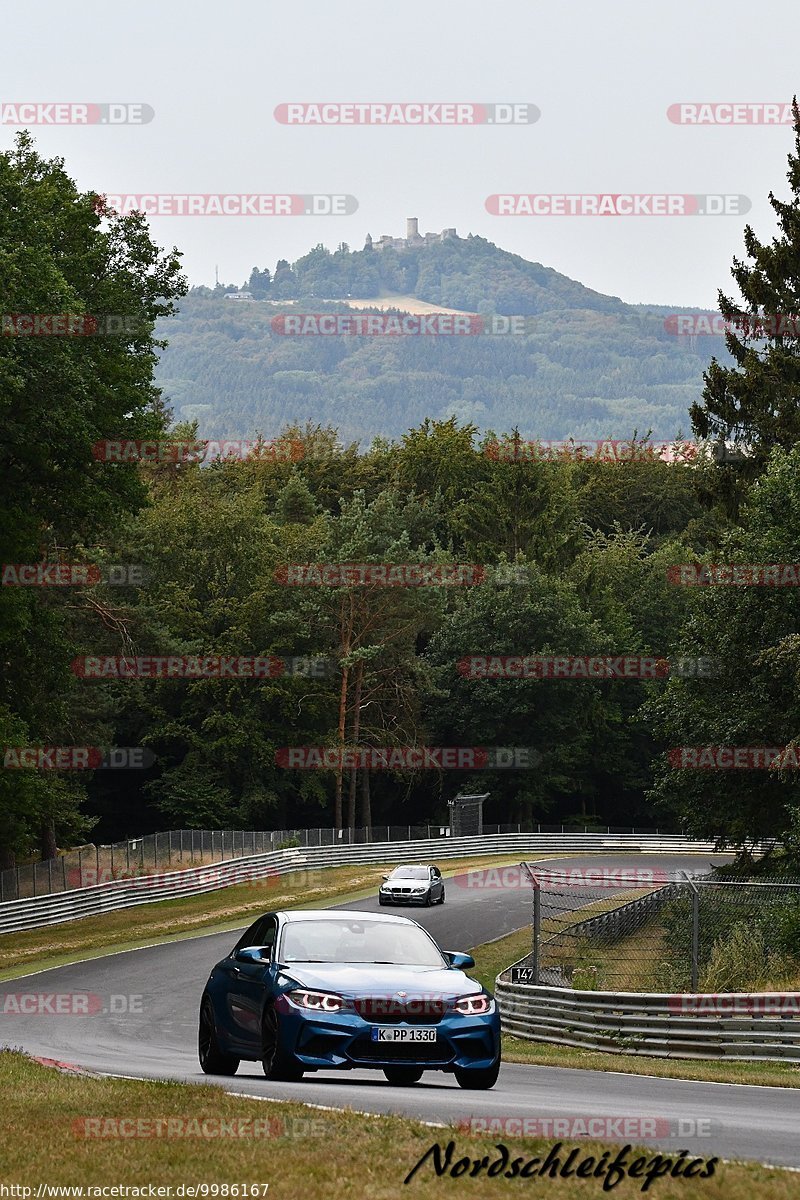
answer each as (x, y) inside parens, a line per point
(366, 577)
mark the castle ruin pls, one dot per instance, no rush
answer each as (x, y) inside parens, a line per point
(413, 238)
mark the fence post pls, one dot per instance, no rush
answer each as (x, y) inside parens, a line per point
(695, 939)
(63, 872)
(112, 860)
(537, 928)
(128, 856)
(695, 931)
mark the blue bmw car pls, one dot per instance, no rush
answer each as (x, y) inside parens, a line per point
(317, 990)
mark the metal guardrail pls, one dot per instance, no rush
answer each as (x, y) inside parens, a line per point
(59, 907)
(761, 1026)
(627, 917)
(172, 849)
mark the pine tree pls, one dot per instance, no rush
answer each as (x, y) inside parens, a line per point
(756, 402)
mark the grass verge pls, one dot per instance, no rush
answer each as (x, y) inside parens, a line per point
(299, 1151)
(493, 957)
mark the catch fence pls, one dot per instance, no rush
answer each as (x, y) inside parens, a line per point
(642, 930)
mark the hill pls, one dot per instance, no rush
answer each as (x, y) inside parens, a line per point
(584, 365)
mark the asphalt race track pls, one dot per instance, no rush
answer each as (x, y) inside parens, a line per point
(145, 1024)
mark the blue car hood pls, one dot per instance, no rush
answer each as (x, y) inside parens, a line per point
(374, 979)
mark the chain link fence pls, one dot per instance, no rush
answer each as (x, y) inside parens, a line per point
(91, 864)
(634, 930)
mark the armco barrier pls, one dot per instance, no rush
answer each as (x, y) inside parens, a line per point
(734, 1025)
(54, 909)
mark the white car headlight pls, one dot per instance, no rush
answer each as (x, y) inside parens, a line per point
(475, 1006)
(315, 1001)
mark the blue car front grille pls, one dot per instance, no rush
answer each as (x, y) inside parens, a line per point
(386, 1010)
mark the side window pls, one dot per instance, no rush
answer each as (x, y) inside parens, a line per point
(436, 873)
(254, 936)
(267, 934)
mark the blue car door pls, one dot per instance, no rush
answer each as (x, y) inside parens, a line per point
(247, 985)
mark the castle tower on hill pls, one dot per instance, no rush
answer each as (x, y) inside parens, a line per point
(413, 238)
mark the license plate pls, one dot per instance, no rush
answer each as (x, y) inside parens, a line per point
(381, 1034)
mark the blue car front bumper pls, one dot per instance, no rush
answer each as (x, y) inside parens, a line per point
(344, 1040)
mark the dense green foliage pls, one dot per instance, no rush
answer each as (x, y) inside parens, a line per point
(576, 556)
(58, 396)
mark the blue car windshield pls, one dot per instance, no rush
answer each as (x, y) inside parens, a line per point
(352, 941)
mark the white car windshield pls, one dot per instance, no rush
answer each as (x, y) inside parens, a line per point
(409, 873)
(353, 941)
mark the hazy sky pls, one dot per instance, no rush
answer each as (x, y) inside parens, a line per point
(603, 76)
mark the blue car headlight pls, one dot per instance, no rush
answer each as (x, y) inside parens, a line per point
(315, 1001)
(475, 1006)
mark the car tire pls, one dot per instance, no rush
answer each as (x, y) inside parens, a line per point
(275, 1063)
(213, 1060)
(403, 1076)
(381, 901)
(441, 901)
(480, 1079)
(428, 899)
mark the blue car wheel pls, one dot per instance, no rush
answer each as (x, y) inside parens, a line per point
(403, 1076)
(480, 1078)
(277, 1064)
(213, 1061)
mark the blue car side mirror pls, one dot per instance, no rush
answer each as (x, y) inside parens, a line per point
(257, 955)
(462, 962)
